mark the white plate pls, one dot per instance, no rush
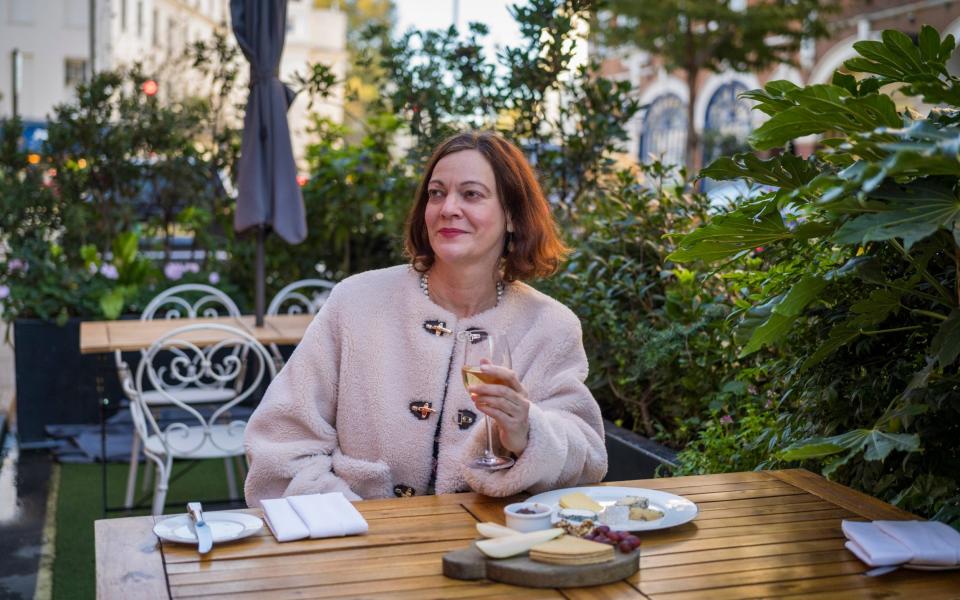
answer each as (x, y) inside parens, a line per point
(225, 527)
(677, 510)
(931, 567)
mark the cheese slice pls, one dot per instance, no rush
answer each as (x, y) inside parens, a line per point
(580, 501)
(512, 545)
(644, 514)
(492, 530)
(571, 550)
(570, 545)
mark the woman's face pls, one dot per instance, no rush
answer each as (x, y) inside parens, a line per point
(465, 221)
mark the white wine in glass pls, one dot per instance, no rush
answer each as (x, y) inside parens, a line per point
(484, 347)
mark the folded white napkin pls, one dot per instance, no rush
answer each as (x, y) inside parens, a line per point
(885, 543)
(313, 516)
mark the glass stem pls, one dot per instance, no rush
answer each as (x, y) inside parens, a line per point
(489, 450)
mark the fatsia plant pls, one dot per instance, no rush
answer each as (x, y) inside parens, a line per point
(878, 203)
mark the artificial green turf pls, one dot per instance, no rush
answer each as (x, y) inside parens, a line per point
(80, 503)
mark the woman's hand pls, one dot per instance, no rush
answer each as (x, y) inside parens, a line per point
(506, 403)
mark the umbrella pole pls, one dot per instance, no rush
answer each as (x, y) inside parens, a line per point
(258, 302)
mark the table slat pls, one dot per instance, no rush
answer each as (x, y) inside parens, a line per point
(128, 559)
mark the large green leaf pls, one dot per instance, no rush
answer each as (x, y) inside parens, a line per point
(915, 213)
(786, 171)
(946, 344)
(726, 235)
(783, 311)
(821, 108)
(876, 444)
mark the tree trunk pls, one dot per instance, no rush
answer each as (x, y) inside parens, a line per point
(693, 143)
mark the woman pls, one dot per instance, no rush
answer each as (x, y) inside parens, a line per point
(371, 404)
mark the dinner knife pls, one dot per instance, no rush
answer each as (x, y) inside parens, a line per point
(204, 536)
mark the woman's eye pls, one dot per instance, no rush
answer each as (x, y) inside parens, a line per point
(435, 194)
(472, 194)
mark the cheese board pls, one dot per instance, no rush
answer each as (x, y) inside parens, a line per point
(469, 563)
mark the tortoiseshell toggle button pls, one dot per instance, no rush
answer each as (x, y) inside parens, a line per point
(466, 418)
(436, 327)
(403, 491)
(422, 409)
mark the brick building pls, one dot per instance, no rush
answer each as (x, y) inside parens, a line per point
(721, 119)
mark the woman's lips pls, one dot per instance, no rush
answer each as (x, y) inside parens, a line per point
(449, 232)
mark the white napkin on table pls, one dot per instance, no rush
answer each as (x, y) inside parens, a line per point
(886, 543)
(313, 516)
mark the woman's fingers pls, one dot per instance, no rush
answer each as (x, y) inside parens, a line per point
(509, 408)
(506, 375)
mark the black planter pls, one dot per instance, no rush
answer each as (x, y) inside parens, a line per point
(55, 383)
(632, 456)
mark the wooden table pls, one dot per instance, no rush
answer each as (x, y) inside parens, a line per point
(106, 336)
(759, 534)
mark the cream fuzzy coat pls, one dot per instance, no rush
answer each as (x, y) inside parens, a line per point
(337, 417)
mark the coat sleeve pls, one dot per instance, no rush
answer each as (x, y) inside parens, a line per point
(566, 445)
(291, 439)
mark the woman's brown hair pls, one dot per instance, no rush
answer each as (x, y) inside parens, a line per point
(534, 249)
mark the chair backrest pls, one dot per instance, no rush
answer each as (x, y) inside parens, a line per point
(190, 300)
(198, 356)
(301, 297)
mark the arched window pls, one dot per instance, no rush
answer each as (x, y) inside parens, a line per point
(664, 131)
(727, 122)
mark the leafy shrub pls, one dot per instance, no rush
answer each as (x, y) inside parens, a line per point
(862, 333)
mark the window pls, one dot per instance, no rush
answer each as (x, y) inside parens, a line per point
(140, 18)
(664, 131)
(74, 71)
(170, 27)
(727, 123)
(123, 15)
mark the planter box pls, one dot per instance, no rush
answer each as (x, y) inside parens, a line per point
(55, 383)
(632, 456)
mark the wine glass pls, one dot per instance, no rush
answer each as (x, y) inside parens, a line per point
(483, 347)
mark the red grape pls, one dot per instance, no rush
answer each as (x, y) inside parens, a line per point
(625, 546)
(602, 529)
(613, 536)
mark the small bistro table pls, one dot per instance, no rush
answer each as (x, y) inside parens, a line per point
(758, 535)
(98, 337)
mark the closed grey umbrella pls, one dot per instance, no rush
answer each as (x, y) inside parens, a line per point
(269, 196)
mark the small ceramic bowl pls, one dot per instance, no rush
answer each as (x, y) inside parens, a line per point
(528, 516)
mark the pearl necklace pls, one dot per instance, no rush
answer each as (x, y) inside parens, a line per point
(425, 287)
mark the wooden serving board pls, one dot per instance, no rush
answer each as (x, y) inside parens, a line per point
(470, 563)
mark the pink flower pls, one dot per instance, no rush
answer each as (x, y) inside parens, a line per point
(4, 291)
(92, 268)
(173, 271)
(191, 268)
(214, 278)
(16, 264)
(726, 419)
(109, 271)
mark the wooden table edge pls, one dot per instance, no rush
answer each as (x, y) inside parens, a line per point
(129, 541)
(840, 495)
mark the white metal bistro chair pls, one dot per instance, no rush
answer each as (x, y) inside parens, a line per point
(184, 301)
(303, 297)
(195, 357)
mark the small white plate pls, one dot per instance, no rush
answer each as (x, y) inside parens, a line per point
(931, 567)
(677, 510)
(225, 527)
